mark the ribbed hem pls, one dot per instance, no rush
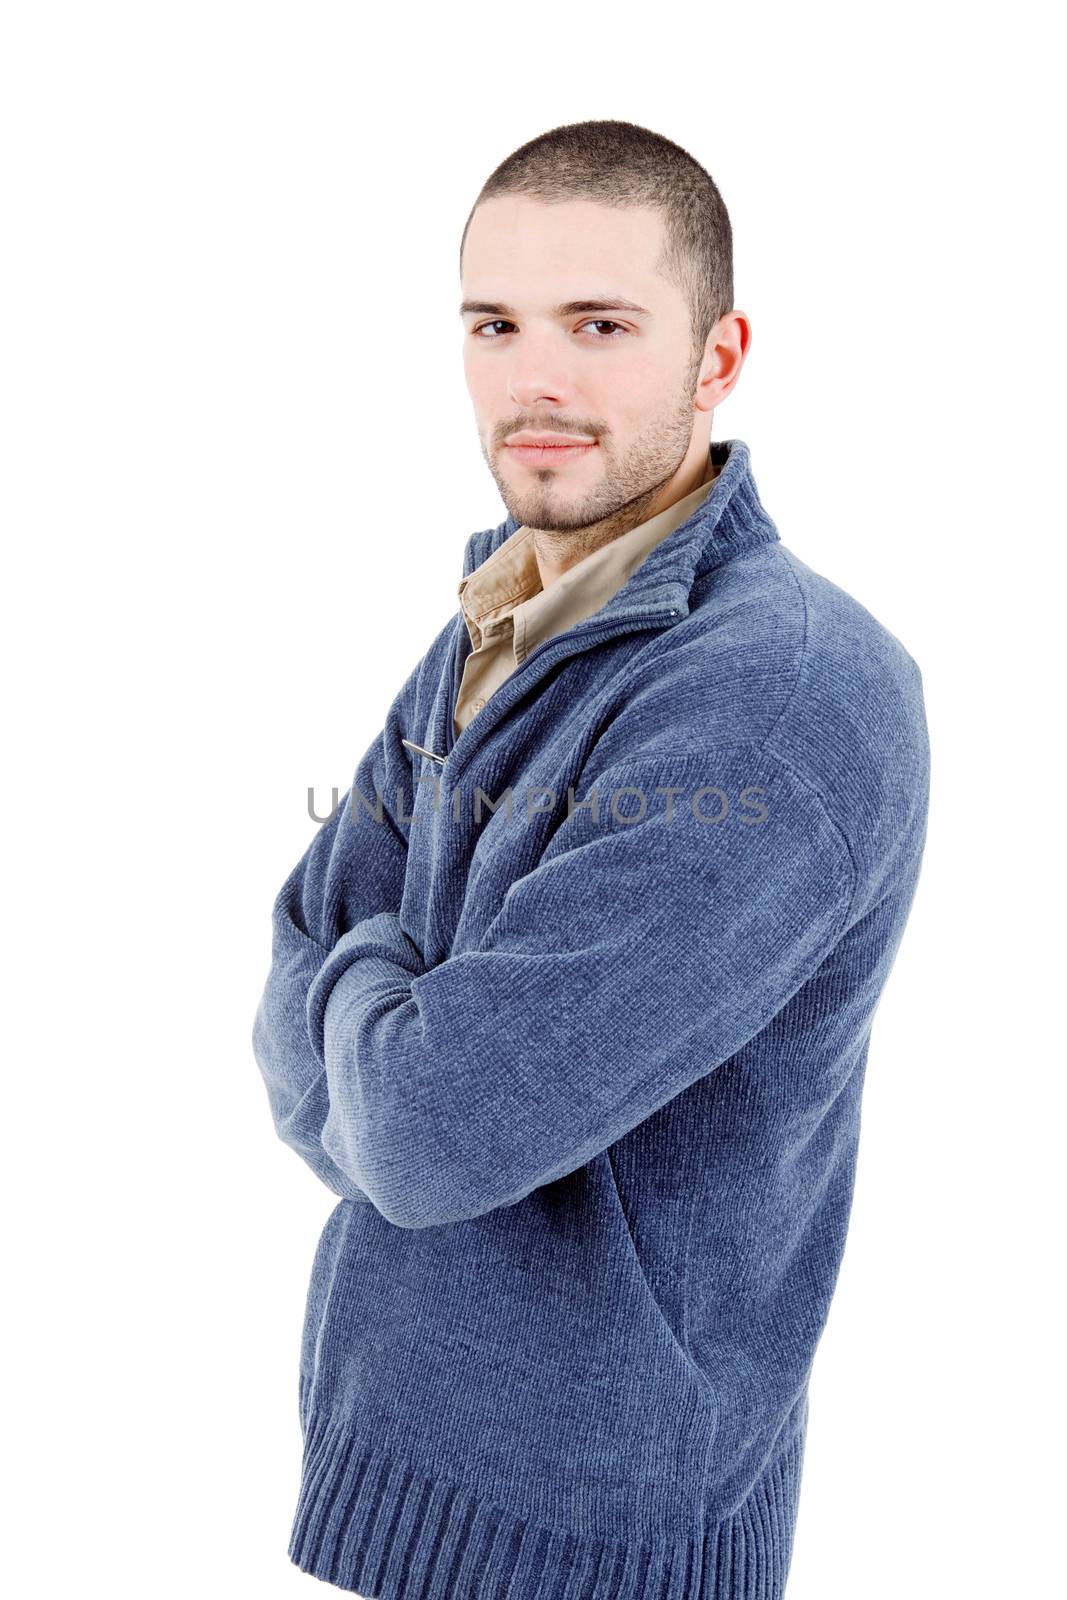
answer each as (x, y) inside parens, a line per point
(368, 1522)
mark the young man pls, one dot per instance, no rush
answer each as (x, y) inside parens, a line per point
(571, 998)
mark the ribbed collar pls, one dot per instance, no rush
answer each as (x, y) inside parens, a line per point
(727, 522)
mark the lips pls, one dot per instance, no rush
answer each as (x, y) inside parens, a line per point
(550, 454)
(548, 437)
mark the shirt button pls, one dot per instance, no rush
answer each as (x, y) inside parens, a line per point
(478, 704)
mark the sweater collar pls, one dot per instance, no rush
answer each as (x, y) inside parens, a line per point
(728, 521)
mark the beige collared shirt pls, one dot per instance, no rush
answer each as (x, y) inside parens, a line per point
(508, 612)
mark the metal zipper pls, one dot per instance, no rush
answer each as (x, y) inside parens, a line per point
(418, 747)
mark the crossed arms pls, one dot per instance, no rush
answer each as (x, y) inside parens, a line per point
(635, 957)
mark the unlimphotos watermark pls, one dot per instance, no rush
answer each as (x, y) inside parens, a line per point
(706, 804)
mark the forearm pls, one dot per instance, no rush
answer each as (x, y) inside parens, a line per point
(354, 867)
(295, 1080)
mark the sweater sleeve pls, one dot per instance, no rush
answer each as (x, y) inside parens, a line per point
(655, 936)
(353, 868)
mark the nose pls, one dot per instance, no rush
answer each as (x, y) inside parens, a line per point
(526, 394)
(537, 372)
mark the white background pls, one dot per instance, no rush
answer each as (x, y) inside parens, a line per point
(240, 467)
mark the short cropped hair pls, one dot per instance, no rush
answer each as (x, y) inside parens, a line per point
(621, 164)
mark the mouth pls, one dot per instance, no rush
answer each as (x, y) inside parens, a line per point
(550, 454)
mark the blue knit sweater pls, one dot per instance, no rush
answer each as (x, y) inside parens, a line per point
(572, 1012)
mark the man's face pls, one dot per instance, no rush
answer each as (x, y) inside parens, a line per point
(546, 352)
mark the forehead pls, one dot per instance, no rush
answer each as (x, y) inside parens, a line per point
(544, 250)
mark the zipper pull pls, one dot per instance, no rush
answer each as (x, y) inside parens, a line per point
(431, 753)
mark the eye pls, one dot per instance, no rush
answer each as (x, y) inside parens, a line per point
(595, 322)
(497, 323)
(603, 322)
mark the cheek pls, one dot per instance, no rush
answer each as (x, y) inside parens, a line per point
(625, 390)
(483, 382)
(648, 381)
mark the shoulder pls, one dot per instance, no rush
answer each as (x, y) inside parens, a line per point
(854, 721)
(772, 651)
(850, 716)
(778, 660)
(852, 677)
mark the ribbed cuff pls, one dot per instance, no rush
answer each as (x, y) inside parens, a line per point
(385, 952)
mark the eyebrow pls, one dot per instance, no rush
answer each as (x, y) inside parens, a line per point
(569, 308)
